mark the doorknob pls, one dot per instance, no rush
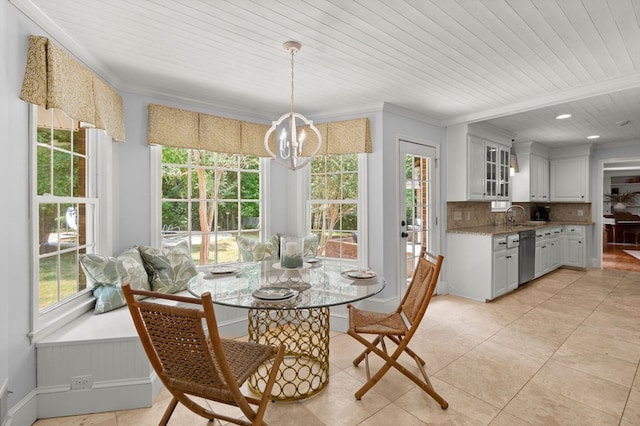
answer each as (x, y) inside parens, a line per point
(404, 234)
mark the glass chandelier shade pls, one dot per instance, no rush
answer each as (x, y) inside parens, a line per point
(294, 149)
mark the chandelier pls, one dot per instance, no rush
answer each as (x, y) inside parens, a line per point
(291, 128)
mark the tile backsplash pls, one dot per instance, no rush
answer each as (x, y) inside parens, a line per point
(468, 214)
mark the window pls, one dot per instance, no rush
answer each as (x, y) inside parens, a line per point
(336, 196)
(209, 198)
(65, 209)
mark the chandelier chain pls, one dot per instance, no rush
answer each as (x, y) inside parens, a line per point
(292, 53)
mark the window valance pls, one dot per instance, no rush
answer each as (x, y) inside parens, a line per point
(188, 129)
(53, 79)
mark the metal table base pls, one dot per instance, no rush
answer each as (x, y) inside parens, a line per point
(305, 334)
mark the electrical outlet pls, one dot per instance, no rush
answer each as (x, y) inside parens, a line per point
(580, 213)
(81, 382)
(457, 215)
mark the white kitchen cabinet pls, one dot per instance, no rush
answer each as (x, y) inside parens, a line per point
(505, 265)
(554, 254)
(574, 251)
(478, 163)
(542, 251)
(476, 167)
(539, 178)
(531, 183)
(570, 179)
(476, 270)
(489, 164)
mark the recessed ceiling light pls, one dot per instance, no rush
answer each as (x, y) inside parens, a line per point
(562, 116)
(593, 137)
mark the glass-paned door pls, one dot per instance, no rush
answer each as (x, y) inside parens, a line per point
(418, 169)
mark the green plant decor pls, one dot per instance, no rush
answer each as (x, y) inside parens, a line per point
(626, 198)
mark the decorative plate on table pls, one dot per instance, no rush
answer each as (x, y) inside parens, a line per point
(312, 260)
(223, 269)
(359, 274)
(274, 294)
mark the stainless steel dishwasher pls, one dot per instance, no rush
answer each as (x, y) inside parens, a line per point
(526, 256)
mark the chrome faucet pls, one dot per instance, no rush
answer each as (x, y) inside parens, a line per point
(511, 220)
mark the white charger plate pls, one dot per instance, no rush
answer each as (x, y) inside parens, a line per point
(223, 269)
(274, 294)
(358, 274)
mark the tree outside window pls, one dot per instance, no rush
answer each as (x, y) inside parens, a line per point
(209, 198)
(334, 205)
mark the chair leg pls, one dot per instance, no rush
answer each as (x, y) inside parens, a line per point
(169, 411)
(364, 353)
(411, 353)
(391, 361)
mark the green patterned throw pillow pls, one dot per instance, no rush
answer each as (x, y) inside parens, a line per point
(107, 274)
(252, 250)
(169, 269)
(310, 248)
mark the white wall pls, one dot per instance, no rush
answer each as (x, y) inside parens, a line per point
(18, 366)
(388, 218)
(4, 214)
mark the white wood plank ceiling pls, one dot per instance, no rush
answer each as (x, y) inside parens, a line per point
(447, 61)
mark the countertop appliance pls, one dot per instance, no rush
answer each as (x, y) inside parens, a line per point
(540, 213)
(526, 256)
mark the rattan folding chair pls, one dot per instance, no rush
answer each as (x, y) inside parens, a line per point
(186, 351)
(398, 327)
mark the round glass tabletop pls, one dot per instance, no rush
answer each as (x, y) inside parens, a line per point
(267, 285)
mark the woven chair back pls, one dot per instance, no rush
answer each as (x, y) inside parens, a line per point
(180, 341)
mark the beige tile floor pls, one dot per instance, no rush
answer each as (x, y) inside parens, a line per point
(562, 350)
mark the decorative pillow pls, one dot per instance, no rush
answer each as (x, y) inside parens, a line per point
(107, 274)
(310, 247)
(252, 250)
(170, 269)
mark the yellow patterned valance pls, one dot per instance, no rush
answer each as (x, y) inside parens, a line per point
(53, 79)
(186, 129)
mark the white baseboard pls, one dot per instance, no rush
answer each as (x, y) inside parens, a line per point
(25, 411)
(59, 402)
(4, 395)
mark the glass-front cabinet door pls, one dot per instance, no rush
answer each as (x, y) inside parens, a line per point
(504, 174)
(491, 164)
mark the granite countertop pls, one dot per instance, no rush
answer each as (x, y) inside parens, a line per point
(510, 229)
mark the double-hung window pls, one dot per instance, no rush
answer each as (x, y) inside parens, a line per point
(65, 210)
(337, 197)
(209, 199)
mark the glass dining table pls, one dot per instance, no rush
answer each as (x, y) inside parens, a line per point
(290, 307)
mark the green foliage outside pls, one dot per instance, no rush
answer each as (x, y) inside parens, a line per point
(334, 195)
(218, 193)
(54, 286)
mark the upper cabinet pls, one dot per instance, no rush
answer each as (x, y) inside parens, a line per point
(478, 164)
(539, 179)
(531, 181)
(551, 175)
(488, 164)
(569, 173)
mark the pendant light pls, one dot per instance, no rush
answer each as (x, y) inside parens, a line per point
(291, 128)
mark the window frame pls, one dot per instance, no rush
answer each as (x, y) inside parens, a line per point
(155, 221)
(362, 205)
(99, 158)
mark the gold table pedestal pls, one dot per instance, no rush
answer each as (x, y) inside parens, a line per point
(305, 334)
